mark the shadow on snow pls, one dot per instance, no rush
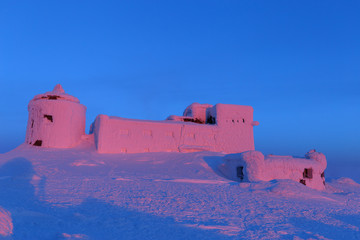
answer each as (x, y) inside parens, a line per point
(93, 219)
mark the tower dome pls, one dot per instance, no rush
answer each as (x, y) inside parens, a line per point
(56, 120)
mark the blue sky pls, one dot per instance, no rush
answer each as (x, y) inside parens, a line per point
(296, 62)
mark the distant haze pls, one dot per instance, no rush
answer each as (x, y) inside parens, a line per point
(296, 63)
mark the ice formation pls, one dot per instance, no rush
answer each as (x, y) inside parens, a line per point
(252, 166)
(203, 127)
(56, 120)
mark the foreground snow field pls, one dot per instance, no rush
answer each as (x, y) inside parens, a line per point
(80, 194)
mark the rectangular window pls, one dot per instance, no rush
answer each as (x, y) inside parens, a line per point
(308, 173)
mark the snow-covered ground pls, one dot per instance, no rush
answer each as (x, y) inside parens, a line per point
(80, 194)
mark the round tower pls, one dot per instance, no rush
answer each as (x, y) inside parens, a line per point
(56, 120)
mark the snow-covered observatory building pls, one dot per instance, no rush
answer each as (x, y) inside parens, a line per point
(56, 120)
(203, 127)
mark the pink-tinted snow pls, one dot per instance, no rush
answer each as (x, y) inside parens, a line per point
(81, 194)
(64, 184)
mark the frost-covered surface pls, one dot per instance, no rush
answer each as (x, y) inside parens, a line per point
(56, 119)
(81, 194)
(230, 131)
(252, 166)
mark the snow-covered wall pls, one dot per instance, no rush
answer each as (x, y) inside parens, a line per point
(120, 135)
(252, 166)
(56, 120)
(236, 127)
(230, 130)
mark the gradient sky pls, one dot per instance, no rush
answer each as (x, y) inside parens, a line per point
(296, 62)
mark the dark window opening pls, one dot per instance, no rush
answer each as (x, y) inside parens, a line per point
(210, 120)
(243, 120)
(323, 174)
(38, 143)
(303, 181)
(51, 97)
(308, 173)
(49, 117)
(240, 172)
(195, 120)
(32, 123)
(237, 120)
(324, 183)
(233, 120)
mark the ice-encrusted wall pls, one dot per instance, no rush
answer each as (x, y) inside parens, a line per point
(252, 166)
(56, 120)
(220, 128)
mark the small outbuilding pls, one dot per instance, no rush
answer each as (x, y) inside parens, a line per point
(252, 166)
